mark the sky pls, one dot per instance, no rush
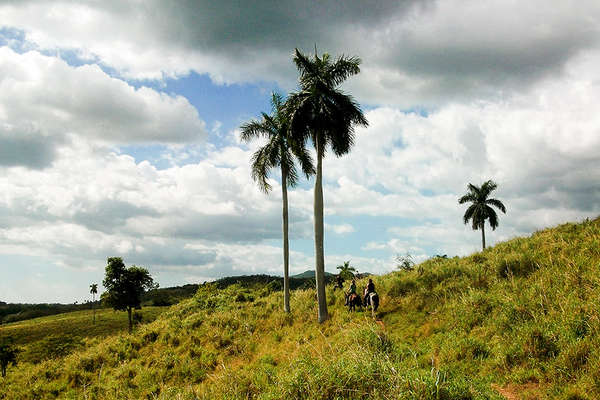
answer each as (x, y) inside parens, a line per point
(119, 133)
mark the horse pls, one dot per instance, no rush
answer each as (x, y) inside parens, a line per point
(352, 301)
(372, 300)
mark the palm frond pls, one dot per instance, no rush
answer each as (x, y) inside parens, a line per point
(473, 189)
(304, 157)
(466, 198)
(492, 216)
(497, 203)
(469, 213)
(342, 69)
(478, 217)
(308, 69)
(254, 129)
(260, 170)
(263, 160)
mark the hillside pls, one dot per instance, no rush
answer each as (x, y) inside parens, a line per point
(519, 320)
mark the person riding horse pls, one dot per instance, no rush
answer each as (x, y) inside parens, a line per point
(351, 290)
(369, 289)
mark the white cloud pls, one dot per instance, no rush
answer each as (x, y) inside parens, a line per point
(45, 102)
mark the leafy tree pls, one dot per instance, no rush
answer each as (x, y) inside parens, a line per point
(480, 209)
(346, 271)
(125, 286)
(405, 262)
(8, 354)
(321, 112)
(279, 151)
(94, 292)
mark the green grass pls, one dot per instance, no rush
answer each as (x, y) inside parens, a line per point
(521, 318)
(58, 335)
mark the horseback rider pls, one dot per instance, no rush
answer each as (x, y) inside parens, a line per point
(370, 289)
(351, 290)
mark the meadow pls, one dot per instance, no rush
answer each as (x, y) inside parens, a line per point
(516, 321)
(58, 335)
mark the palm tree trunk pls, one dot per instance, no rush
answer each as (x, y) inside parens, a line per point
(483, 234)
(286, 245)
(319, 236)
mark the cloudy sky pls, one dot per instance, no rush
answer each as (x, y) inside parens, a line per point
(119, 133)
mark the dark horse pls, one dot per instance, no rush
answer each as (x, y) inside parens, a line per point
(372, 299)
(352, 301)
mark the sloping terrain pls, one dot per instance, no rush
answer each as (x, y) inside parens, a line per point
(519, 320)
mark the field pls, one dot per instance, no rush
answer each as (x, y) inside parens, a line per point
(56, 335)
(517, 321)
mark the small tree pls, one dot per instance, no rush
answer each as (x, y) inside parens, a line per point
(346, 271)
(125, 286)
(94, 292)
(405, 262)
(8, 354)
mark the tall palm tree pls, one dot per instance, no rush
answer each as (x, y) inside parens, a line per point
(279, 151)
(480, 209)
(94, 292)
(325, 114)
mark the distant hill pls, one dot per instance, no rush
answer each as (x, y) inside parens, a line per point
(309, 274)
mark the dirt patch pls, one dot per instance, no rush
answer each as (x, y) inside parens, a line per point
(525, 391)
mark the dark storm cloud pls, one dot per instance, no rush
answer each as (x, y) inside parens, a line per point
(414, 52)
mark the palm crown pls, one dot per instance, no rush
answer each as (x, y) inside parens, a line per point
(346, 270)
(320, 110)
(280, 149)
(481, 209)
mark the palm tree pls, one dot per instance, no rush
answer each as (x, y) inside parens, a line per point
(94, 291)
(279, 151)
(480, 209)
(322, 112)
(346, 271)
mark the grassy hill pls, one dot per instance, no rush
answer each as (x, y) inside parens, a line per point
(58, 335)
(519, 320)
